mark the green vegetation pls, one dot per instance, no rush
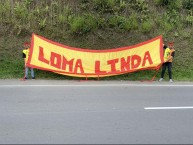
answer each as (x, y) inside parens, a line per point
(96, 24)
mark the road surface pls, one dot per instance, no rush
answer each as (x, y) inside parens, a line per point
(95, 112)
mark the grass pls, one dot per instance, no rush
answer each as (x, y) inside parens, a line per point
(11, 61)
(99, 26)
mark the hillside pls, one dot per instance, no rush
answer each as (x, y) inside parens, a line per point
(96, 24)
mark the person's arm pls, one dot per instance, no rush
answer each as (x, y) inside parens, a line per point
(173, 54)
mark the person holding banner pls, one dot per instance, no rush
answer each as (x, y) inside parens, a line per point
(168, 58)
(26, 56)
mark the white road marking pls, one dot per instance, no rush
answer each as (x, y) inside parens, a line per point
(165, 108)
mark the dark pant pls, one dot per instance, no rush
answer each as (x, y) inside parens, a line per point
(169, 66)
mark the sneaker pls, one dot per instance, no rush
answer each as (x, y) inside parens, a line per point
(33, 78)
(171, 81)
(25, 78)
(161, 79)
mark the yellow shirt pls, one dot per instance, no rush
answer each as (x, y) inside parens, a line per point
(168, 55)
(26, 52)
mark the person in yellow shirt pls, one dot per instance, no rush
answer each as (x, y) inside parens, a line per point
(25, 57)
(169, 53)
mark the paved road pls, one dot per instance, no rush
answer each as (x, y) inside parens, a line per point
(95, 112)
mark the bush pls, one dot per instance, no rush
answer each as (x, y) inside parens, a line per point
(146, 26)
(82, 24)
(77, 24)
(113, 21)
(126, 25)
(172, 4)
(90, 22)
(5, 15)
(189, 20)
(133, 22)
(106, 6)
(21, 12)
(167, 27)
(188, 4)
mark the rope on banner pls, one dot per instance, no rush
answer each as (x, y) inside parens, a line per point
(157, 70)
